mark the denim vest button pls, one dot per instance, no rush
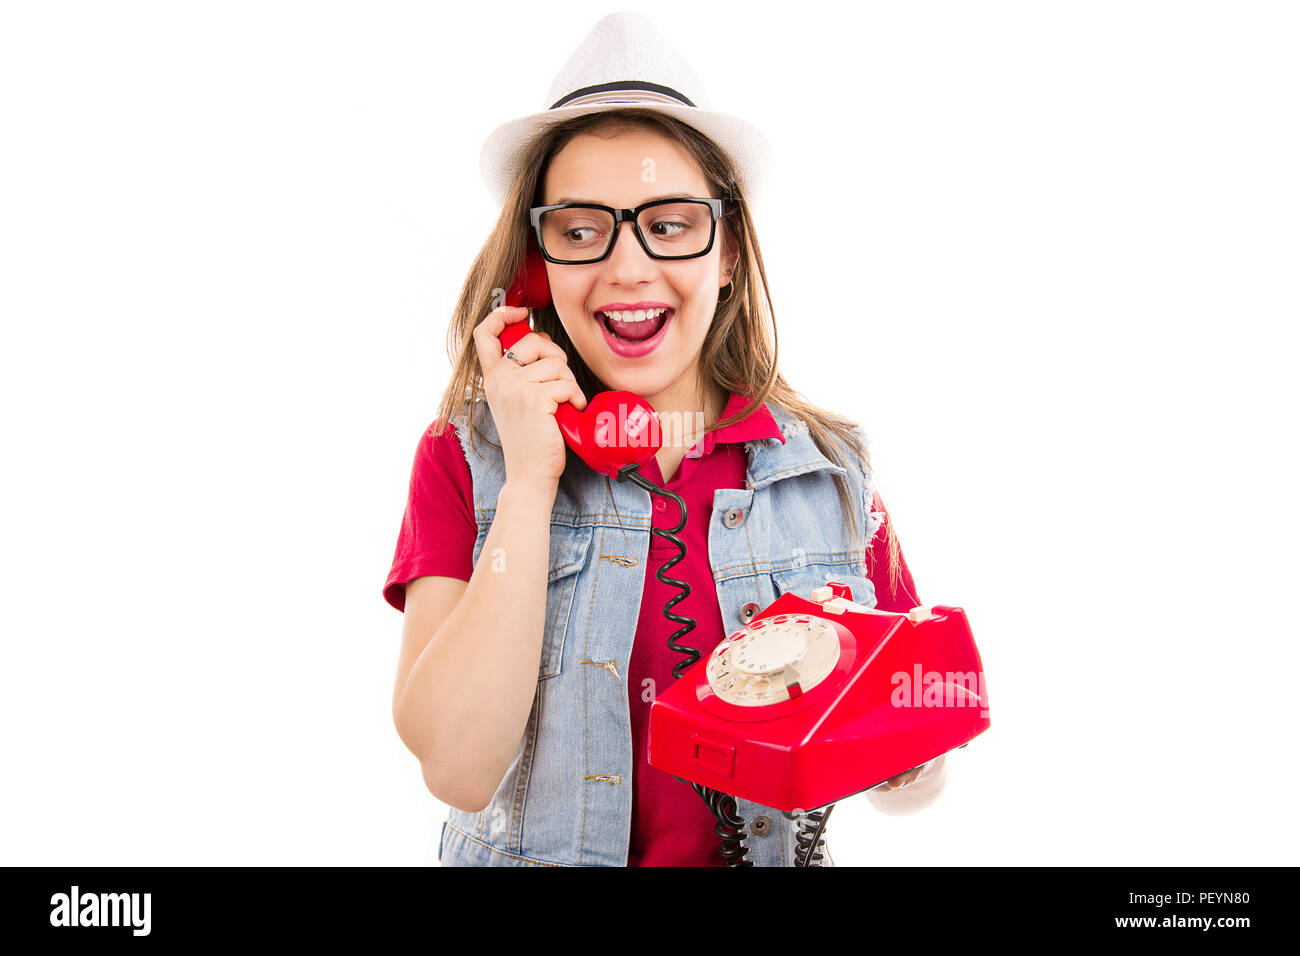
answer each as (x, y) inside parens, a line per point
(748, 611)
(733, 517)
(760, 826)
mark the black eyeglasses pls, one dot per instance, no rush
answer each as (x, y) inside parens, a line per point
(579, 233)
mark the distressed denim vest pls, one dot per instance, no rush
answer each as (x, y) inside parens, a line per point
(566, 799)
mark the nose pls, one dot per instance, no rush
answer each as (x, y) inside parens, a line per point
(627, 260)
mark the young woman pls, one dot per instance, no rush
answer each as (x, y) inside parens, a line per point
(535, 637)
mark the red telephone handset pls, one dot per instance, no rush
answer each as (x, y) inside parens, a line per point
(617, 428)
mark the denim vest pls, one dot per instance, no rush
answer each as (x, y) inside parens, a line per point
(566, 799)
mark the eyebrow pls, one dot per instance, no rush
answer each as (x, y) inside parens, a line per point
(597, 202)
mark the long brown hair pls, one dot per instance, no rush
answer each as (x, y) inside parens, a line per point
(740, 350)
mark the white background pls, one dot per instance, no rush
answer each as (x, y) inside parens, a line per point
(1045, 252)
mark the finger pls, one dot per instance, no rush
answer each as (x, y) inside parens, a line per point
(533, 347)
(902, 780)
(579, 400)
(549, 368)
(487, 336)
(561, 391)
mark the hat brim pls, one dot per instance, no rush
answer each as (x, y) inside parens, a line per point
(750, 151)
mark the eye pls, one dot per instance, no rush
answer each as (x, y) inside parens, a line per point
(670, 229)
(580, 232)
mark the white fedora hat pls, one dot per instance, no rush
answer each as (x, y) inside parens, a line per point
(625, 62)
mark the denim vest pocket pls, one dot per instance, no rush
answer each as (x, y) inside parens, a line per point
(569, 549)
(802, 580)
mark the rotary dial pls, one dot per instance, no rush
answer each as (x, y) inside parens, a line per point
(773, 660)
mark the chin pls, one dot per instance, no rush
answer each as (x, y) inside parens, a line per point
(645, 382)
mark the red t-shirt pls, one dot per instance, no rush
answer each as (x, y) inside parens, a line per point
(671, 826)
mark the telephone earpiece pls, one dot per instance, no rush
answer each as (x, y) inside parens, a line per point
(530, 289)
(617, 429)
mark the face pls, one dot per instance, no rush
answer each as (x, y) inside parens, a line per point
(610, 172)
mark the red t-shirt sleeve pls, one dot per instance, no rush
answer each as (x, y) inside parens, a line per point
(438, 530)
(900, 598)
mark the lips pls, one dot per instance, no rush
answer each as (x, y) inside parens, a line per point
(633, 335)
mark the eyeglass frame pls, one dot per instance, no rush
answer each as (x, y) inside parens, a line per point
(717, 208)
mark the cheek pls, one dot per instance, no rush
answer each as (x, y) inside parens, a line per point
(703, 306)
(570, 298)
(704, 288)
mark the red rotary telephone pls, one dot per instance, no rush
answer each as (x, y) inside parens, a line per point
(616, 429)
(819, 698)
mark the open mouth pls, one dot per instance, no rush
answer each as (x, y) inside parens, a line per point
(635, 326)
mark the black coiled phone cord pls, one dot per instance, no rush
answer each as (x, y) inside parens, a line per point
(688, 624)
(730, 828)
(807, 839)
(730, 825)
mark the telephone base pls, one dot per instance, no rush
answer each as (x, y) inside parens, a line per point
(905, 689)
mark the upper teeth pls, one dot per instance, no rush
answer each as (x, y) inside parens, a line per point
(636, 315)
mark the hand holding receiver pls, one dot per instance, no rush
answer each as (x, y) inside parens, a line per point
(617, 428)
(523, 394)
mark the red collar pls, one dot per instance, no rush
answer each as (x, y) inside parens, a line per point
(758, 424)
